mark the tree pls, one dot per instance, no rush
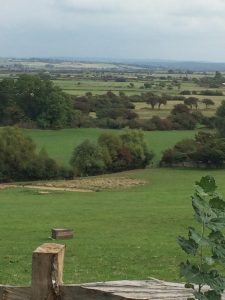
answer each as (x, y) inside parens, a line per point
(87, 159)
(113, 153)
(16, 152)
(206, 149)
(181, 117)
(19, 160)
(151, 99)
(208, 102)
(10, 113)
(220, 119)
(43, 103)
(135, 151)
(111, 145)
(191, 101)
(161, 101)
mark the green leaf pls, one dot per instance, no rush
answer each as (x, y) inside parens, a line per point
(203, 212)
(216, 237)
(215, 281)
(193, 235)
(217, 203)
(189, 246)
(209, 261)
(200, 296)
(219, 253)
(216, 224)
(209, 295)
(191, 273)
(212, 295)
(208, 184)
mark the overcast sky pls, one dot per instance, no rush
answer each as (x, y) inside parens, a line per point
(141, 29)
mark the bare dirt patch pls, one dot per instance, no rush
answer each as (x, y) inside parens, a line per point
(81, 185)
(93, 184)
(7, 185)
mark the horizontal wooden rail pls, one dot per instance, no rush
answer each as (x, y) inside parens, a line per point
(47, 284)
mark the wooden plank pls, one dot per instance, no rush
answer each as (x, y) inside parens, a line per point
(115, 290)
(77, 292)
(47, 271)
(15, 293)
(135, 290)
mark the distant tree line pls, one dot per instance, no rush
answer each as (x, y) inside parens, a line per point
(212, 82)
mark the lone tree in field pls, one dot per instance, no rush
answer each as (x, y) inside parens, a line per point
(152, 99)
(208, 102)
(161, 101)
(191, 101)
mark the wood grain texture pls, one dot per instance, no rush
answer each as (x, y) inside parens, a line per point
(15, 293)
(115, 290)
(47, 271)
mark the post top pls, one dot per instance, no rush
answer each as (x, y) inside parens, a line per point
(49, 248)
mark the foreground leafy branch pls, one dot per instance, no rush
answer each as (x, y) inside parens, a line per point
(207, 245)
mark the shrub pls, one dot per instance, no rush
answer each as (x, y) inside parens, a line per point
(87, 159)
(19, 160)
(205, 149)
(113, 153)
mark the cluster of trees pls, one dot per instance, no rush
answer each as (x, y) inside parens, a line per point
(212, 82)
(19, 159)
(111, 153)
(203, 93)
(180, 118)
(193, 102)
(111, 110)
(35, 102)
(207, 148)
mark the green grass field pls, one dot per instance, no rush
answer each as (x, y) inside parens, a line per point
(80, 87)
(60, 144)
(119, 234)
(144, 110)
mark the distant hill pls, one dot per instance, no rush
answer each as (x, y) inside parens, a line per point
(109, 63)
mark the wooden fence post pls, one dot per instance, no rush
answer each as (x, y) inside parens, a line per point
(47, 271)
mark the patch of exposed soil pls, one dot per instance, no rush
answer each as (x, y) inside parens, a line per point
(7, 185)
(82, 185)
(95, 183)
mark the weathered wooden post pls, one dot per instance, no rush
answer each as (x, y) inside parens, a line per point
(47, 271)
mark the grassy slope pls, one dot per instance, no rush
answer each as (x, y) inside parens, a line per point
(119, 234)
(60, 144)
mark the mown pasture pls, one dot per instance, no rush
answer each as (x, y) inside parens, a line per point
(119, 234)
(60, 143)
(125, 233)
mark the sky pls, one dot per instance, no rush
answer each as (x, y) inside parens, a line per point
(119, 29)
